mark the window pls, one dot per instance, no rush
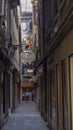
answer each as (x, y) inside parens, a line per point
(53, 94)
(2, 7)
(58, 95)
(35, 40)
(64, 95)
(35, 16)
(55, 7)
(15, 12)
(48, 14)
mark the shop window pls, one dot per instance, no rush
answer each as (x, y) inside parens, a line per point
(53, 94)
(64, 95)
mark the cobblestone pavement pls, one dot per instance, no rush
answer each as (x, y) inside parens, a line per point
(25, 117)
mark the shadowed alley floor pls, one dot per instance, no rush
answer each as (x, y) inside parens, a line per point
(25, 117)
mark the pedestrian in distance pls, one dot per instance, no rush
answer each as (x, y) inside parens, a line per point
(27, 96)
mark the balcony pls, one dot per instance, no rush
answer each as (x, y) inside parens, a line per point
(14, 3)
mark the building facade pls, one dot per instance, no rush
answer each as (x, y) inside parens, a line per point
(55, 57)
(9, 57)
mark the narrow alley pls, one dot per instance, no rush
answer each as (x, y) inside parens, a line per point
(36, 64)
(25, 117)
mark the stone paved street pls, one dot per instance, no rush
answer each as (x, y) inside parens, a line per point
(25, 117)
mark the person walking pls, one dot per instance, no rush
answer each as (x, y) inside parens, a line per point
(27, 96)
